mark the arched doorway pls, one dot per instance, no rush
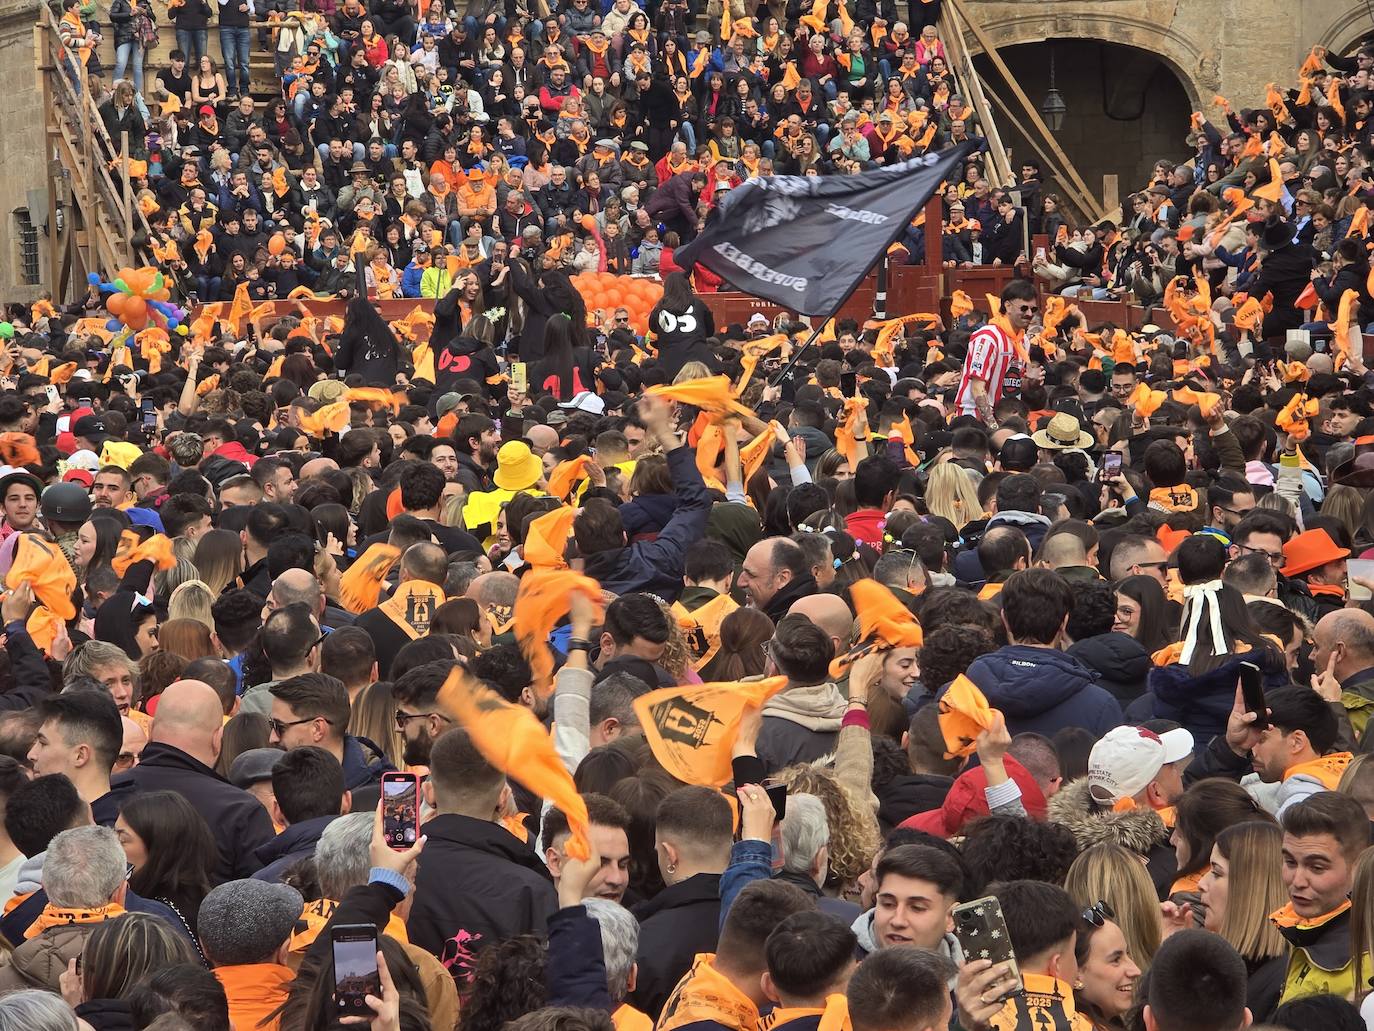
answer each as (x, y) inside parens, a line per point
(1127, 107)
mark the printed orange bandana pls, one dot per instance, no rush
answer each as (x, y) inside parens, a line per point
(691, 728)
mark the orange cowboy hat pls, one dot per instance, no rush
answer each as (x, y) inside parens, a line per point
(1310, 550)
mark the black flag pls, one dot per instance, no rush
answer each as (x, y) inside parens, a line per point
(804, 242)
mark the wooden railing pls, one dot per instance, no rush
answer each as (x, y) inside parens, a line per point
(961, 62)
(85, 167)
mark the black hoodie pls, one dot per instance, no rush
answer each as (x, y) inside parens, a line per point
(1120, 661)
(367, 345)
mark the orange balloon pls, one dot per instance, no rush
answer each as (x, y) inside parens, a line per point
(135, 307)
(116, 302)
(588, 222)
(135, 322)
(276, 244)
(139, 280)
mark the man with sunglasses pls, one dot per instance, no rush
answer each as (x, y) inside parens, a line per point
(997, 354)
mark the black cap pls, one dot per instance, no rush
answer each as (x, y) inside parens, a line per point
(1018, 454)
(92, 427)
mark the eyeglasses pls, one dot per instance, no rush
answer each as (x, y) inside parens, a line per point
(1237, 512)
(1026, 307)
(278, 727)
(403, 718)
(1161, 564)
(1098, 914)
(1274, 559)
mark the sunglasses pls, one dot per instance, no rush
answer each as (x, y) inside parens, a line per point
(1098, 914)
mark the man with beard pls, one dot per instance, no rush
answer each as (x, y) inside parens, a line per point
(418, 716)
(477, 440)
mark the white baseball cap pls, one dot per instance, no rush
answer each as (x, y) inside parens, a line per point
(585, 401)
(1126, 759)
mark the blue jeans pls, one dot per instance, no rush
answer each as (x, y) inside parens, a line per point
(193, 43)
(359, 151)
(129, 57)
(234, 45)
(688, 135)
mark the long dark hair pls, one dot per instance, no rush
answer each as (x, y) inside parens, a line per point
(1153, 632)
(677, 293)
(1204, 811)
(182, 855)
(107, 533)
(558, 352)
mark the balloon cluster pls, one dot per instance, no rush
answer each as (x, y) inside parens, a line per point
(606, 291)
(138, 298)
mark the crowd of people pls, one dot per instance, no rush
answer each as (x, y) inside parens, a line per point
(428, 141)
(1055, 637)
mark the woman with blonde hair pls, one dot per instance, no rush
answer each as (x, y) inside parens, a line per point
(1242, 886)
(374, 718)
(1115, 875)
(219, 559)
(1345, 504)
(192, 600)
(951, 495)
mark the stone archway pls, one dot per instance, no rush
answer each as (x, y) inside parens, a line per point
(1127, 108)
(1197, 65)
(1353, 25)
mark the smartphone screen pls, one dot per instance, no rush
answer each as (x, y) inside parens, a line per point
(355, 967)
(149, 409)
(1252, 691)
(1111, 465)
(400, 809)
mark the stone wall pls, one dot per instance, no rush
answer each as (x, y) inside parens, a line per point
(21, 146)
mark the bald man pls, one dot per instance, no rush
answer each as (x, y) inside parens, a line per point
(542, 438)
(406, 615)
(180, 756)
(131, 747)
(831, 614)
(1343, 652)
(300, 585)
(317, 467)
(1066, 555)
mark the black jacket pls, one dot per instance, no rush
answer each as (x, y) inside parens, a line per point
(903, 797)
(777, 606)
(237, 820)
(289, 847)
(674, 926)
(1286, 272)
(1120, 661)
(476, 884)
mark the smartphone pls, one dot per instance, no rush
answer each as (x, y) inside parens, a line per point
(1111, 465)
(777, 794)
(355, 967)
(51, 391)
(1039, 254)
(848, 382)
(1364, 569)
(982, 933)
(400, 810)
(1252, 691)
(519, 378)
(149, 409)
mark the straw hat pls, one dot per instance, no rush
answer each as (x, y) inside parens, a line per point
(1062, 433)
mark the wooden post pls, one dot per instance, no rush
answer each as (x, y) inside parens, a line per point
(1020, 95)
(1111, 193)
(935, 254)
(123, 167)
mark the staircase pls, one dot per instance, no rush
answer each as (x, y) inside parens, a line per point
(88, 185)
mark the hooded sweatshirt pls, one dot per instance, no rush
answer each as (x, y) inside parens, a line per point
(1043, 690)
(800, 724)
(868, 942)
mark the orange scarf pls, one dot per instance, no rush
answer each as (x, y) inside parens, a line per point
(54, 916)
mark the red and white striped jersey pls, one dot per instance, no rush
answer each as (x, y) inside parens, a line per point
(991, 358)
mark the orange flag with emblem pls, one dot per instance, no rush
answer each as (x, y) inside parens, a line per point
(691, 728)
(512, 739)
(42, 564)
(360, 588)
(567, 475)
